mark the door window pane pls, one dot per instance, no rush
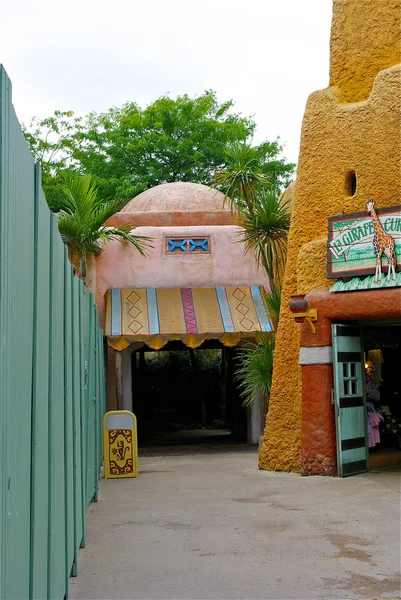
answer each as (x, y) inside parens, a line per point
(350, 379)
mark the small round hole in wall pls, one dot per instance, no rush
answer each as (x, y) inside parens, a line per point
(350, 183)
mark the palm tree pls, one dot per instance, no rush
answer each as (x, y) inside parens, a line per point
(242, 178)
(82, 218)
(266, 227)
(264, 216)
(265, 230)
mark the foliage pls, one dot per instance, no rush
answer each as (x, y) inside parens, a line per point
(82, 217)
(168, 378)
(264, 216)
(50, 141)
(178, 360)
(266, 224)
(273, 304)
(249, 170)
(255, 369)
(129, 149)
(253, 189)
(242, 177)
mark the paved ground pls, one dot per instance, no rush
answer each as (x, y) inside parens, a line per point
(210, 525)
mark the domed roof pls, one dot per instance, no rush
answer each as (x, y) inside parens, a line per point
(178, 196)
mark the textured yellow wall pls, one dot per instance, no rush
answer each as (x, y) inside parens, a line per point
(337, 137)
(365, 39)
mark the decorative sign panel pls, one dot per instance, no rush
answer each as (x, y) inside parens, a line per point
(188, 245)
(120, 444)
(356, 241)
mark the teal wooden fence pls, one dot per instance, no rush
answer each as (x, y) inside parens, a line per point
(52, 384)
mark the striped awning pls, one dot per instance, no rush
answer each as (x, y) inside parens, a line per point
(192, 315)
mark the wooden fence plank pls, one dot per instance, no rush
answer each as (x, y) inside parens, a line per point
(40, 399)
(17, 185)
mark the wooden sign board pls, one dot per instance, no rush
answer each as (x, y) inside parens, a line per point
(350, 249)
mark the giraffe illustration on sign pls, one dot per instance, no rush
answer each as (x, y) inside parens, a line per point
(382, 243)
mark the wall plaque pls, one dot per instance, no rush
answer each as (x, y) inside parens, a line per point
(357, 240)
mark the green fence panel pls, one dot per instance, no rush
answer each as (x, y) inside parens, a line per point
(52, 384)
(99, 400)
(77, 379)
(57, 533)
(102, 393)
(90, 407)
(40, 399)
(83, 370)
(68, 418)
(17, 185)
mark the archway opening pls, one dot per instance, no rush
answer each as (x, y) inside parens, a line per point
(187, 397)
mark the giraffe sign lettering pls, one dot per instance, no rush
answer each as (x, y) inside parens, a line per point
(365, 243)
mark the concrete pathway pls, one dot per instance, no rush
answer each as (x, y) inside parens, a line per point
(210, 525)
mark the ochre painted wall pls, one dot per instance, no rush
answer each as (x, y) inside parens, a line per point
(354, 125)
(365, 39)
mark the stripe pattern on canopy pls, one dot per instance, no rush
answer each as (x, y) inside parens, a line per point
(156, 316)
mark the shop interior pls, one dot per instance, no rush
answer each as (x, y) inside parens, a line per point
(382, 353)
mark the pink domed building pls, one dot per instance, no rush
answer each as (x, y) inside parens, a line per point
(196, 288)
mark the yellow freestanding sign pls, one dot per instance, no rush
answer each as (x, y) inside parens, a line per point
(120, 441)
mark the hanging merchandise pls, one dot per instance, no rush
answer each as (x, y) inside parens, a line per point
(372, 387)
(376, 358)
(374, 419)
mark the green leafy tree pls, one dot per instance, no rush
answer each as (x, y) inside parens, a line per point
(182, 139)
(129, 149)
(51, 143)
(82, 218)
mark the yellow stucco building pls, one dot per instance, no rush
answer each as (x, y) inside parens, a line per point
(349, 154)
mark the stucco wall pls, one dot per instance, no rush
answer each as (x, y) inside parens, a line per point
(337, 137)
(365, 39)
(121, 266)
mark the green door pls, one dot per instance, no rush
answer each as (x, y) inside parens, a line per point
(349, 396)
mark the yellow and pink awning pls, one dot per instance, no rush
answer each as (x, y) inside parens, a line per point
(192, 315)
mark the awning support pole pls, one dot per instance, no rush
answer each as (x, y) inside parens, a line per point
(111, 378)
(119, 379)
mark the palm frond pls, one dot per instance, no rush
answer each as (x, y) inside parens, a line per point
(273, 304)
(255, 370)
(104, 210)
(83, 215)
(241, 178)
(79, 194)
(141, 242)
(266, 227)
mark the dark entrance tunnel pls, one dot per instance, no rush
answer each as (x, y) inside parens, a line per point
(187, 397)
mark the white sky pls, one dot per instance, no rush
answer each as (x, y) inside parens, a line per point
(83, 55)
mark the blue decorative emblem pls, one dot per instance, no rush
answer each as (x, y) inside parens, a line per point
(198, 244)
(180, 244)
